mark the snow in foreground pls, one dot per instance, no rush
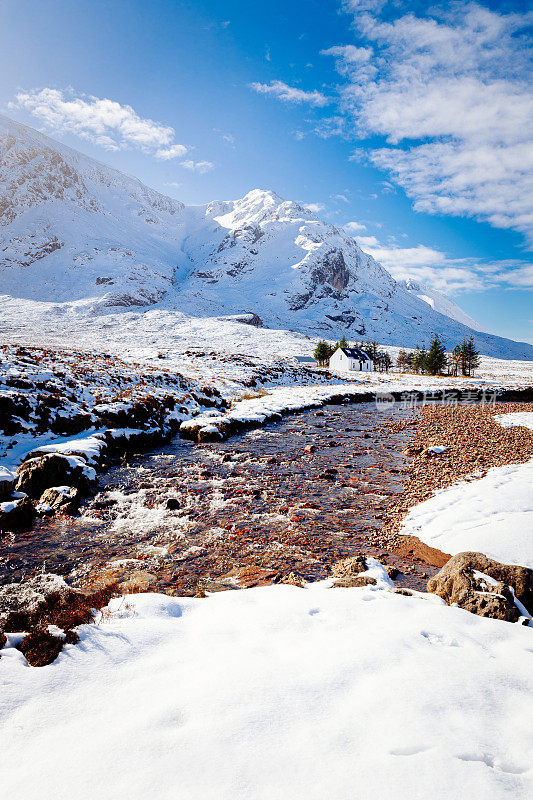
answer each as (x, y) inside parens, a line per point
(492, 515)
(275, 692)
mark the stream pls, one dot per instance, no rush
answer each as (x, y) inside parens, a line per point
(291, 497)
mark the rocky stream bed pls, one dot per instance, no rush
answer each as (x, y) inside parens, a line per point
(282, 502)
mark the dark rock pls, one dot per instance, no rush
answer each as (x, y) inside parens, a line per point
(392, 572)
(7, 484)
(173, 504)
(53, 469)
(457, 583)
(59, 498)
(16, 515)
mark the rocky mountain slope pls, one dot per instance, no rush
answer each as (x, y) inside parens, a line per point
(83, 238)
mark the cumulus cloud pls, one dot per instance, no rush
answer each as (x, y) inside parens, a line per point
(354, 227)
(174, 151)
(451, 96)
(290, 94)
(435, 269)
(314, 208)
(103, 122)
(198, 166)
(352, 61)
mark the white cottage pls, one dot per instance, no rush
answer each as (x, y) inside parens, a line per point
(351, 358)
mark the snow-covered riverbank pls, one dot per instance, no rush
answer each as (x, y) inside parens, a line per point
(492, 515)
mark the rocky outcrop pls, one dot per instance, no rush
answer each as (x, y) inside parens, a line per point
(16, 514)
(59, 498)
(54, 469)
(333, 270)
(7, 483)
(484, 586)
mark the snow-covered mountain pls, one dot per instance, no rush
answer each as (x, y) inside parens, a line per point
(439, 302)
(85, 238)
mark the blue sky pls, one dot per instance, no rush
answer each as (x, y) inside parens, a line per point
(412, 127)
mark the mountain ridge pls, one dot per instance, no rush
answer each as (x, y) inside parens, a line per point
(75, 232)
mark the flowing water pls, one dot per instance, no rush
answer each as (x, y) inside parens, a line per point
(251, 509)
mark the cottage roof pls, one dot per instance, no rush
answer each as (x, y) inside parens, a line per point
(354, 352)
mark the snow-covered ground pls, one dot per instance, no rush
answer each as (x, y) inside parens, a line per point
(492, 515)
(199, 347)
(275, 693)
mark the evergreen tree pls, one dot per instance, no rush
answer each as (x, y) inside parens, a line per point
(419, 359)
(322, 352)
(401, 361)
(435, 360)
(464, 357)
(343, 342)
(385, 361)
(456, 359)
(472, 356)
(423, 359)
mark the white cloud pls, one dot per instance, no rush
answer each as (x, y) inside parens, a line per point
(354, 227)
(103, 122)
(343, 197)
(198, 166)
(448, 275)
(314, 208)
(107, 124)
(354, 62)
(453, 90)
(174, 151)
(290, 94)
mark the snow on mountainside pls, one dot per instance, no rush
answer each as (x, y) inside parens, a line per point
(78, 237)
(444, 305)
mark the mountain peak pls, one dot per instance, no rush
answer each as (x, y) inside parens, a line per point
(77, 233)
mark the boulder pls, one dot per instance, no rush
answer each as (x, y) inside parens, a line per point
(59, 498)
(484, 586)
(7, 483)
(53, 469)
(354, 581)
(16, 514)
(349, 567)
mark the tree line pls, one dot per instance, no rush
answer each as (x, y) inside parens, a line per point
(464, 358)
